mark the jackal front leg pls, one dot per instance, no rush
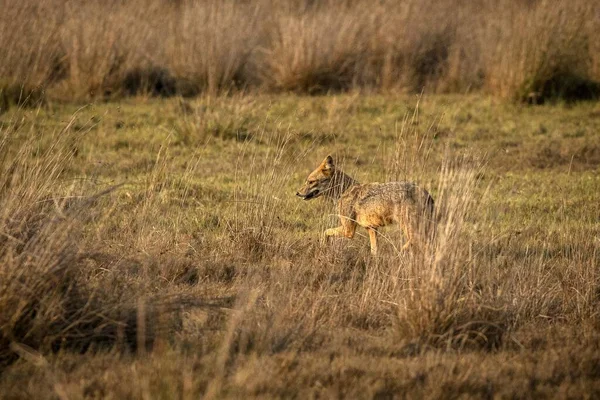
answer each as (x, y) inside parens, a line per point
(340, 231)
(373, 239)
(347, 229)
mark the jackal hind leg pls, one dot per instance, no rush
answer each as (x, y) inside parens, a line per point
(408, 233)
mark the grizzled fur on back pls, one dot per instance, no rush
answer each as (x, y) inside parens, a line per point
(384, 201)
(372, 205)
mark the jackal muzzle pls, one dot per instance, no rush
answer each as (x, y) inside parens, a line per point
(309, 195)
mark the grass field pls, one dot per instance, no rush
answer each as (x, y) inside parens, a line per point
(154, 248)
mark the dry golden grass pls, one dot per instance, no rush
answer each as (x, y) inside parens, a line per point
(515, 49)
(203, 275)
(544, 52)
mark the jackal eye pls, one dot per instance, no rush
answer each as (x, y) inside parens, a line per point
(310, 182)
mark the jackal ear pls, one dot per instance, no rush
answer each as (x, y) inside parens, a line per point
(328, 164)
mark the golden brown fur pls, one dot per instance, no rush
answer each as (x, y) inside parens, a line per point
(372, 205)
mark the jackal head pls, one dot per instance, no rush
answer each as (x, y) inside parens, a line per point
(319, 181)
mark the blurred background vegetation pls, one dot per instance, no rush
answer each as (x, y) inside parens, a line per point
(525, 50)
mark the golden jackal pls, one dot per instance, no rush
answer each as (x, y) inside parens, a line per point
(371, 205)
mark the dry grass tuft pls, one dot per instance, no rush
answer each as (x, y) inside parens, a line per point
(211, 43)
(317, 50)
(41, 300)
(52, 296)
(448, 301)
